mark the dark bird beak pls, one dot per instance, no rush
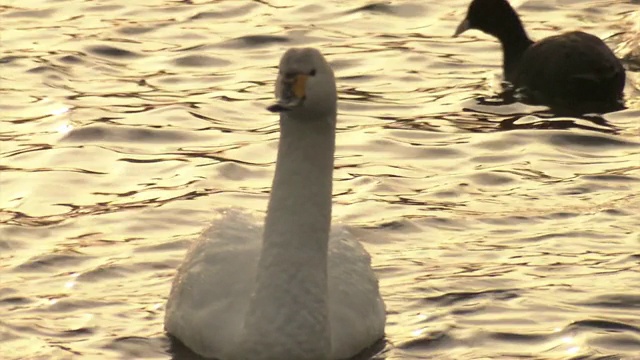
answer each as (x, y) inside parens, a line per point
(464, 26)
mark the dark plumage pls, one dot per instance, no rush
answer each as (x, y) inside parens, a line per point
(573, 73)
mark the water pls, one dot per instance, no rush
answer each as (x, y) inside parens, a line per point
(497, 232)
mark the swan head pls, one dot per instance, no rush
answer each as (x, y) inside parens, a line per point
(305, 85)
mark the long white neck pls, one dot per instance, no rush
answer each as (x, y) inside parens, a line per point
(288, 313)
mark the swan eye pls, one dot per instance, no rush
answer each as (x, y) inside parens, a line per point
(312, 72)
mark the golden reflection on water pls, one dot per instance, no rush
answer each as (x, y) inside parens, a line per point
(497, 231)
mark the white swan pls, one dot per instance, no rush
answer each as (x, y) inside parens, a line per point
(290, 291)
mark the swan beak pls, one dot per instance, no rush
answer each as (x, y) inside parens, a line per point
(292, 93)
(464, 26)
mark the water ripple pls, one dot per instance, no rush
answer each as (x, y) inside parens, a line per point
(498, 230)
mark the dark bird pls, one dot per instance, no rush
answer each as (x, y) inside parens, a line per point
(573, 73)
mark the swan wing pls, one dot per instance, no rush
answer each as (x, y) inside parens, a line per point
(356, 310)
(211, 290)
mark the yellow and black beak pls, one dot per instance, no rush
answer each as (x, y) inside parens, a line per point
(292, 92)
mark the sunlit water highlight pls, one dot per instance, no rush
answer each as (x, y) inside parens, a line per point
(498, 232)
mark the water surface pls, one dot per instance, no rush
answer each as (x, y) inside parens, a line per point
(498, 232)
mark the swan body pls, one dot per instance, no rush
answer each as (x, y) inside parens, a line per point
(294, 288)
